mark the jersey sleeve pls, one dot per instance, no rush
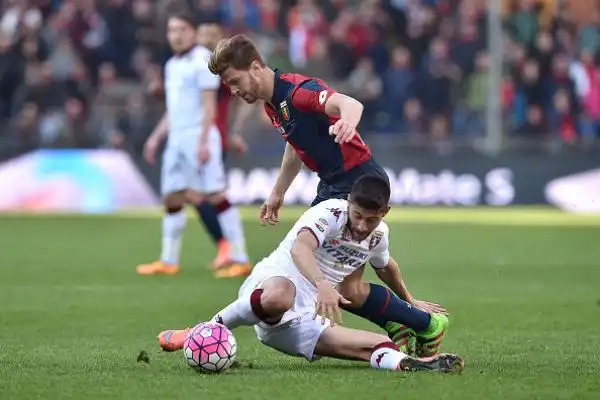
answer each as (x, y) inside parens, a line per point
(204, 78)
(311, 96)
(321, 222)
(380, 254)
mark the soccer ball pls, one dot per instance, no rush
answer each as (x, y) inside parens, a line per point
(210, 347)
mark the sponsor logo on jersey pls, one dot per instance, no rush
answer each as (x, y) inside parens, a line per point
(375, 239)
(323, 221)
(319, 227)
(343, 254)
(285, 112)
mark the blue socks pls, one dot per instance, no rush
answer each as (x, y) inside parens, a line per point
(383, 306)
(208, 214)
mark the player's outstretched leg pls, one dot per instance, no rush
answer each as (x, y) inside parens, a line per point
(265, 304)
(400, 320)
(174, 222)
(233, 229)
(380, 352)
(209, 217)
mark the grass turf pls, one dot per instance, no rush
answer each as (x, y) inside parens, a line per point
(524, 301)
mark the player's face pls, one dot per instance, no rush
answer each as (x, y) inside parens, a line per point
(243, 84)
(181, 35)
(363, 222)
(209, 35)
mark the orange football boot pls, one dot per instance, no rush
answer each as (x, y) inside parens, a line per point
(172, 340)
(157, 268)
(223, 258)
(235, 270)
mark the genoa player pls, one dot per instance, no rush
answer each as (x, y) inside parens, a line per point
(287, 290)
(209, 34)
(192, 166)
(319, 126)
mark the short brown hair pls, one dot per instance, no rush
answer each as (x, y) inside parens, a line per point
(186, 17)
(237, 52)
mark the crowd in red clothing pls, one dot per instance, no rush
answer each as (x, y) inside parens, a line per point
(420, 67)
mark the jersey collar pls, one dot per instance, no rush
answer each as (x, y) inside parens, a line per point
(280, 88)
(185, 52)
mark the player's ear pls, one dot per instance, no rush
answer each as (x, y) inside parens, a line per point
(254, 66)
(386, 210)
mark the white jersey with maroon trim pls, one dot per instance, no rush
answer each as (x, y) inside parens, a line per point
(337, 255)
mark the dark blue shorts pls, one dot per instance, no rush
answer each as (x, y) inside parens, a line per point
(340, 187)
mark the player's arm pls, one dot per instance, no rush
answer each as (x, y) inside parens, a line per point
(208, 84)
(242, 115)
(314, 97)
(303, 254)
(387, 268)
(388, 272)
(315, 225)
(209, 111)
(291, 164)
(158, 135)
(161, 131)
(391, 276)
(348, 108)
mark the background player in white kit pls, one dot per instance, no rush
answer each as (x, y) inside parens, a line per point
(288, 289)
(192, 166)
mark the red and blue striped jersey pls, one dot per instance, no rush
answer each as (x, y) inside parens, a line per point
(297, 110)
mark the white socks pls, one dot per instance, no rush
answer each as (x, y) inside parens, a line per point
(173, 225)
(236, 314)
(233, 230)
(385, 356)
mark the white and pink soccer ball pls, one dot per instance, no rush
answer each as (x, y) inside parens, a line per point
(210, 347)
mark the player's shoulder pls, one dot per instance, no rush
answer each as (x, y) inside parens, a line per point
(334, 209)
(200, 54)
(383, 229)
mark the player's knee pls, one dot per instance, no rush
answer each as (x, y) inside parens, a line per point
(355, 291)
(174, 202)
(216, 198)
(278, 296)
(193, 197)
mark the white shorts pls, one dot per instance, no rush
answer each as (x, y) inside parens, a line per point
(297, 333)
(181, 169)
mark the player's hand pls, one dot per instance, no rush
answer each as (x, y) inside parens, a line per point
(239, 144)
(430, 307)
(343, 131)
(269, 211)
(203, 152)
(328, 303)
(150, 149)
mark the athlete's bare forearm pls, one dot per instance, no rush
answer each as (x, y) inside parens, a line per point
(290, 167)
(161, 131)
(347, 108)
(391, 276)
(303, 254)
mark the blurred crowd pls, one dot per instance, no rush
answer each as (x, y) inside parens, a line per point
(77, 73)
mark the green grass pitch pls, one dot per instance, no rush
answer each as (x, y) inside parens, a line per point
(523, 289)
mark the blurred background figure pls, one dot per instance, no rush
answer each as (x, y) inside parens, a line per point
(89, 73)
(383, 52)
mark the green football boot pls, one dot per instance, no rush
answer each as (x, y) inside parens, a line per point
(428, 342)
(403, 337)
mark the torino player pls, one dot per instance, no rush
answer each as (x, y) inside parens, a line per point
(192, 166)
(319, 126)
(209, 34)
(287, 290)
